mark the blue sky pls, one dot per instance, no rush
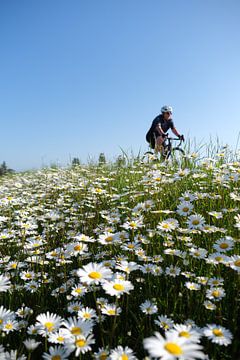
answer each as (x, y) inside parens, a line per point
(82, 77)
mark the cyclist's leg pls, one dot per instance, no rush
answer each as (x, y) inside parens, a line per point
(159, 144)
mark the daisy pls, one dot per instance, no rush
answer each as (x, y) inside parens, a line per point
(57, 337)
(94, 273)
(133, 224)
(224, 244)
(172, 347)
(173, 271)
(9, 325)
(148, 307)
(74, 306)
(31, 344)
(127, 266)
(215, 282)
(209, 305)
(192, 285)
(195, 222)
(164, 322)
(5, 315)
(56, 352)
(87, 314)
(218, 334)
(80, 344)
(111, 310)
(102, 354)
(120, 353)
(78, 290)
(117, 287)
(5, 283)
(168, 225)
(235, 262)
(217, 258)
(184, 208)
(199, 253)
(48, 323)
(187, 332)
(215, 293)
(108, 238)
(76, 327)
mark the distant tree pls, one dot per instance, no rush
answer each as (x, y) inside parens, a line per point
(4, 169)
(121, 161)
(101, 159)
(75, 161)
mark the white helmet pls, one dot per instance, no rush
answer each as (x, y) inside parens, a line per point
(166, 108)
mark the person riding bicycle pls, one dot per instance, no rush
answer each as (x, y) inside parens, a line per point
(158, 130)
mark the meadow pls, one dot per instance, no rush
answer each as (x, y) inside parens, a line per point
(121, 261)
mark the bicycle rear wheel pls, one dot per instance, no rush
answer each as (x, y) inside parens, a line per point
(148, 157)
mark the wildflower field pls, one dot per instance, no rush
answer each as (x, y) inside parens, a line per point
(132, 261)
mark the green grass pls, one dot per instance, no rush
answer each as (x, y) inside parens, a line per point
(56, 205)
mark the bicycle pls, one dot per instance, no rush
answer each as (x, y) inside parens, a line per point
(176, 153)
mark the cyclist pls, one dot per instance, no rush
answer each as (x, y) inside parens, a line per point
(158, 130)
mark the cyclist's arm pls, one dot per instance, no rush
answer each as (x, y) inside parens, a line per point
(159, 129)
(174, 130)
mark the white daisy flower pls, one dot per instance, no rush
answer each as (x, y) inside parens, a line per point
(56, 352)
(196, 221)
(148, 307)
(5, 283)
(122, 353)
(80, 344)
(94, 273)
(117, 287)
(218, 334)
(172, 347)
(48, 323)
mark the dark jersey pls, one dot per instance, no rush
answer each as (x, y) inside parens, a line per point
(165, 124)
(152, 133)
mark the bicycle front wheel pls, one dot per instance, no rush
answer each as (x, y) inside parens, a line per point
(177, 156)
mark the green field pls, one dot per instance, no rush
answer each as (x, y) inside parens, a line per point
(97, 259)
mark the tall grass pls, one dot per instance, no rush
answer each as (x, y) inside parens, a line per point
(48, 216)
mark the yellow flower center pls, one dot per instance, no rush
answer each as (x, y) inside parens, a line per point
(1, 321)
(184, 334)
(109, 238)
(196, 222)
(87, 316)
(224, 246)
(49, 326)
(124, 357)
(77, 247)
(111, 312)
(28, 275)
(103, 356)
(216, 293)
(185, 209)
(13, 266)
(118, 287)
(173, 348)
(80, 342)
(76, 330)
(218, 258)
(56, 357)
(166, 226)
(60, 338)
(95, 275)
(217, 332)
(130, 246)
(132, 224)
(77, 308)
(237, 263)
(9, 326)
(78, 290)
